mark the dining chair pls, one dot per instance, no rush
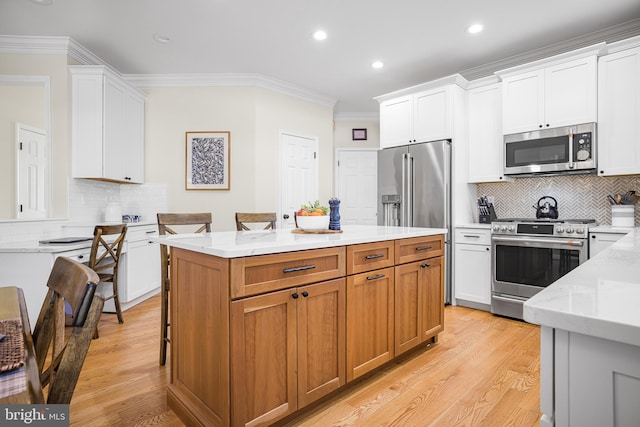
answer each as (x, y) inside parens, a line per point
(73, 285)
(174, 223)
(243, 218)
(106, 250)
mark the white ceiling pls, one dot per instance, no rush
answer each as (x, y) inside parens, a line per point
(418, 40)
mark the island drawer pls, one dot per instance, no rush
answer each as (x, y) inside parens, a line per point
(369, 256)
(267, 273)
(417, 248)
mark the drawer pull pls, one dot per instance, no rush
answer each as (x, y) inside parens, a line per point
(374, 256)
(375, 276)
(475, 236)
(294, 269)
(80, 256)
(423, 248)
(425, 265)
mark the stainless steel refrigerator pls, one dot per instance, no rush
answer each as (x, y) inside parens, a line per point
(414, 190)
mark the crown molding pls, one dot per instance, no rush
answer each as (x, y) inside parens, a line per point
(607, 35)
(454, 79)
(228, 79)
(49, 46)
(357, 117)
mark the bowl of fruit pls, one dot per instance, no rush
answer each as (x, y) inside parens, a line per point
(313, 217)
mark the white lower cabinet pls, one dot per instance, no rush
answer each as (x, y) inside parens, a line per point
(472, 267)
(28, 267)
(600, 240)
(596, 382)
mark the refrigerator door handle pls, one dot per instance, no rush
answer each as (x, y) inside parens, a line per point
(407, 190)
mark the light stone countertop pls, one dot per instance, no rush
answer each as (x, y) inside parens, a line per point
(600, 298)
(235, 244)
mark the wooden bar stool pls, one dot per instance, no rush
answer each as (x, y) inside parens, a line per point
(60, 356)
(203, 223)
(105, 258)
(243, 218)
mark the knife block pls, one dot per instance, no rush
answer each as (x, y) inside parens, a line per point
(488, 219)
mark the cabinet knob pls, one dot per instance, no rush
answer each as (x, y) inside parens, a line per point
(285, 216)
(425, 265)
(539, 126)
(487, 249)
(547, 124)
(294, 295)
(305, 294)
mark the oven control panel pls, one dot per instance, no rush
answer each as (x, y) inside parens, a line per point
(556, 229)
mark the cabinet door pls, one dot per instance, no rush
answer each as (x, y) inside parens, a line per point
(409, 306)
(473, 273)
(142, 267)
(369, 321)
(396, 122)
(432, 115)
(134, 138)
(486, 156)
(619, 113)
(433, 282)
(570, 93)
(600, 241)
(321, 339)
(522, 102)
(115, 147)
(263, 358)
(86, 123)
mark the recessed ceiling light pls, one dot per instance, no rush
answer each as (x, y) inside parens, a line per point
(377, 64)
(161, 38)
(320, 35)
(42, 2)
(475, 28)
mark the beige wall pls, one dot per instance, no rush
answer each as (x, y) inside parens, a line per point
(54, 66)
(254, 116)
(342, 134)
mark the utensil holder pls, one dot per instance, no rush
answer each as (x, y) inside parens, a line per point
(622, 215)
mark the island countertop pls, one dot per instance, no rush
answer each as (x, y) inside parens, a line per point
(599, 298)
(235, 244)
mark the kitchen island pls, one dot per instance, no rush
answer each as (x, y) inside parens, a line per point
(590, 340)
(263, 323)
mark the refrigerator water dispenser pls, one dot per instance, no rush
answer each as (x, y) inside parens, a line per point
(391, 209)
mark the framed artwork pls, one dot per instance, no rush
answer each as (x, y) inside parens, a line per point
(207, 160)
(359, 134)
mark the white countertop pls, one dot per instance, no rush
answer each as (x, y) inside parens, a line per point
(610, 229)
(235, 244)
(600, 298)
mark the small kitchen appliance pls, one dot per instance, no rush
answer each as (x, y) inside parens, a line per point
(530, 254)
(569, 149)
(544, 208)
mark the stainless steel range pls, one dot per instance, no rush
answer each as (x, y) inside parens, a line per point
(529, 255)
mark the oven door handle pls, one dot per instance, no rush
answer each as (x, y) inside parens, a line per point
(529, 239)
(510, 298)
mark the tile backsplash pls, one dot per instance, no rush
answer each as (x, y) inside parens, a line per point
(578, 196)
(88, 199)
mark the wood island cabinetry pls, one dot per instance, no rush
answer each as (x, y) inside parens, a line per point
(256, 338)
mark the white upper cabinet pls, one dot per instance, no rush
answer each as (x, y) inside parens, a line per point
(558, 95)
(619, 113)
(107, 126)
(485, 134)
(420, 114)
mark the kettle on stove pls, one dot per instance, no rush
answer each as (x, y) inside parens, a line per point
(544, 209)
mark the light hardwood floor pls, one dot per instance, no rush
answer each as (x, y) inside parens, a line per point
(484, 371)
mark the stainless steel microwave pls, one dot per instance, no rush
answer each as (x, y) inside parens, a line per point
(570, 149)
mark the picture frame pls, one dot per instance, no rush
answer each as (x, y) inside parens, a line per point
(359, 134)
(207, 160)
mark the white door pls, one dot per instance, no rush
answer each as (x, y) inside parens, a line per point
(357, 186)
(298, 175)
(31, 172)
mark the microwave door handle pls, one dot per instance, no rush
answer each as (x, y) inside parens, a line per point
(571, 165)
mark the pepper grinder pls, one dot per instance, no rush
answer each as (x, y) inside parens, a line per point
(334, 214)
